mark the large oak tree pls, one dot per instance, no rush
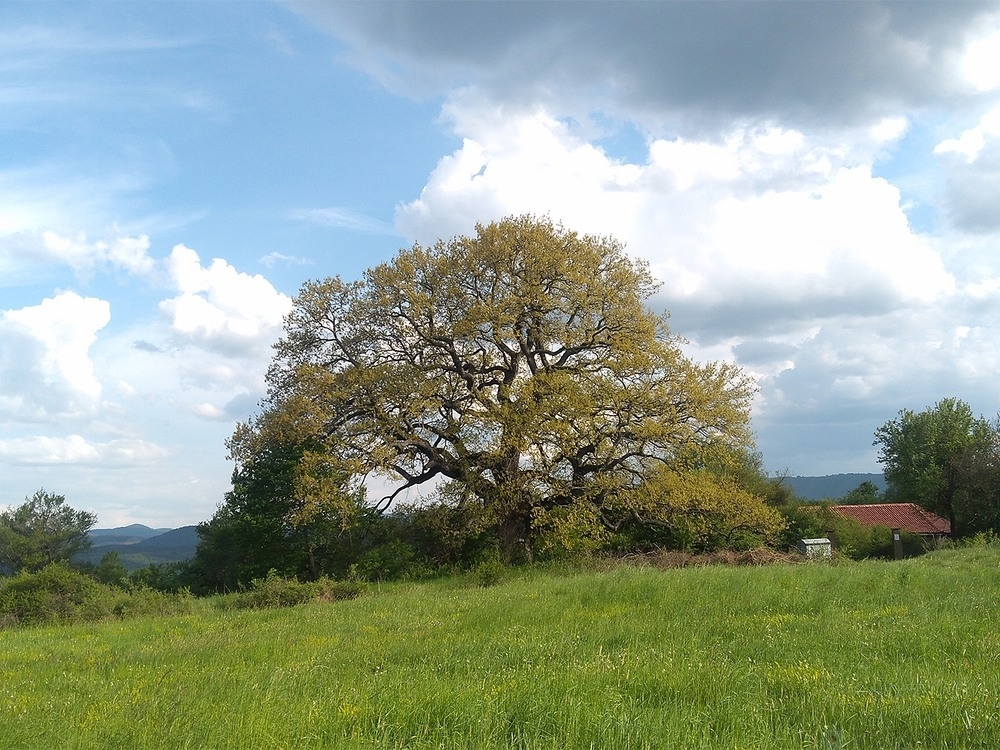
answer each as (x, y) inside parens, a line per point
(518, 368)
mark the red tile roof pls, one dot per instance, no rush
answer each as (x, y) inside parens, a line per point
(903, 516)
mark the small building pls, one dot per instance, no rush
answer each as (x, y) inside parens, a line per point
(821, 547)
(908, 517)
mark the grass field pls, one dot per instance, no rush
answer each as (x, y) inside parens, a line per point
(867, 655)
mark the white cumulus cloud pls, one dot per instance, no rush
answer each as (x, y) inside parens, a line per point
(981, 60)
(128, 253)
(219, 308)
(970, 143)
(767, 220)
(45, 365)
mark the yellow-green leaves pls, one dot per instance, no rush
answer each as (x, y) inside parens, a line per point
(705, 510)
(521, 363)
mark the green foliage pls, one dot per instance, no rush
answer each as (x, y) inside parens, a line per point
(982, 539)
(519, 366)
(568, 529)
(110, 570)
(699, 510)
(488, 572)
(57, 594)
(275, 591)
(744, 466)
(410, 542)
(40, 531)
(865, 493)
(388, 561)
(447, 533)
(53, 594)
(263, 525)
(168, 578)
(945, 459)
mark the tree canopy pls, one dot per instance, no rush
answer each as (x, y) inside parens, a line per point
(42, 530)
(519, 371)
(945, 459)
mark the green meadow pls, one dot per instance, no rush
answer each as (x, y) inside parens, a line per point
(858, 655)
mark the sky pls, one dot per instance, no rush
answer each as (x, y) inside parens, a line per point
(815, 185)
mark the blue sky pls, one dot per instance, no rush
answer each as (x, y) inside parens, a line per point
(817, 186)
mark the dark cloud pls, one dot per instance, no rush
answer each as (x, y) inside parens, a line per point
(763, 352)
(711, 320)
(973, 196)
(242, 405)
(701, 62)
(146, 346)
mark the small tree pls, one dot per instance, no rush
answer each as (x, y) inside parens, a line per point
(110, 570)
(42, 530)
(263, 523)
(865, 493)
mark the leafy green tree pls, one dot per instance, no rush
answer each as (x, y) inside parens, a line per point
(980, 471)
(249, 534)
(703, 510)
(929, 458)
(165, 577)
(42, 530)
(520, 364)
(262, 524)
(110, 570)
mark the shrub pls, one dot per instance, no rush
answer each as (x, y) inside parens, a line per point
(986, 538)
(443, 534)
(142, 601)
(169, 578)
(59, 595)
(489, 571)
(277, 591)
(390, 561)
(54, 594)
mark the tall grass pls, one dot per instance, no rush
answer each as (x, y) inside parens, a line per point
(867, 655)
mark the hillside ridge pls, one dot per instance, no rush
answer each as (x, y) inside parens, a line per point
(832, 486)
(136, 551)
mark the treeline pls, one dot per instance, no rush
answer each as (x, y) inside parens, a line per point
(251, 535)
(251, 551)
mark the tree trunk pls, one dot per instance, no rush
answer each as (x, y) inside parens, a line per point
(515, 536)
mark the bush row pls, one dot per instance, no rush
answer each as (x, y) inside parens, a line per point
(57, 594)
(277, 591)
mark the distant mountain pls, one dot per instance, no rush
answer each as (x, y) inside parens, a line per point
(173, 542)
(132, 534)
(139, 546)
(832, 486)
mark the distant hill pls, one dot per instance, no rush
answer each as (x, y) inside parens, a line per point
(123, 535)
(173, 542)
(832, 486)
(139, 546)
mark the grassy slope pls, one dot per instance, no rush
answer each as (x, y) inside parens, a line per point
(871, 655)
